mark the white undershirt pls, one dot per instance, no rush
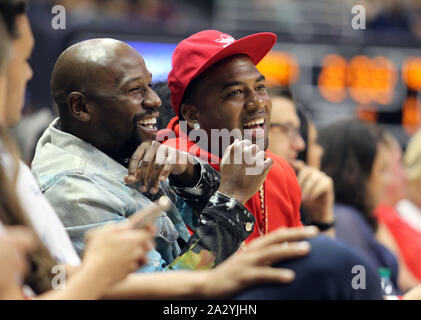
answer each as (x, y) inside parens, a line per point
(410, 213)
(40, 213)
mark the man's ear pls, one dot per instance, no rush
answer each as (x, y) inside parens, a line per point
(190, 113)
(76, 101)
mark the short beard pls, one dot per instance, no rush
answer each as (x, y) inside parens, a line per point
(125, 150)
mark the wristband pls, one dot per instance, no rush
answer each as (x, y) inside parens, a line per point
(324, 226)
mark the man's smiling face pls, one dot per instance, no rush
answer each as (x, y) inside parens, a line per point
(125, 107)
(232, 95)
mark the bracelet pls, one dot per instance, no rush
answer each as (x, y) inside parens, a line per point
(324, 226)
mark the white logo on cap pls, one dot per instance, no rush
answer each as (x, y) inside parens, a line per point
(224, 38)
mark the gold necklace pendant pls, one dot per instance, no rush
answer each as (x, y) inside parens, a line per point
(264, 226)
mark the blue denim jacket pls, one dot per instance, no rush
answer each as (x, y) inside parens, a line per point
(86, 188)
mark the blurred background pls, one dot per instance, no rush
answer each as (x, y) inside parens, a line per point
(334, 70)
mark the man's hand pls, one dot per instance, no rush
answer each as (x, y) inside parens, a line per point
(153, 162)
(252, 265)
(243, 170)
(317, 192)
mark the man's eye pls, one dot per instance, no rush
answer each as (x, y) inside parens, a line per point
(235, 92)
(261, 87)
(134, 89)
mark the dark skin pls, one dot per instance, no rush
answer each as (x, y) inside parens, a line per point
(102, 89)
(228, 95)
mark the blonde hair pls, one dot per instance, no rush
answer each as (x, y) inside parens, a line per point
(412, 157)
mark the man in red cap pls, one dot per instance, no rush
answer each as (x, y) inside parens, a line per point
(215, 85)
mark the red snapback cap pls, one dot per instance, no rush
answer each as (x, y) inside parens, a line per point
(201, 50)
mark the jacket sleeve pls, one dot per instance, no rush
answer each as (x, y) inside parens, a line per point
(220, 223)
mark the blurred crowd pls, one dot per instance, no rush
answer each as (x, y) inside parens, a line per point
(172, 15)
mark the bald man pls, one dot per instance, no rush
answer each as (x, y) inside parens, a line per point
(99, 162)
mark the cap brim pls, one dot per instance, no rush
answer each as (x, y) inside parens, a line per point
(255, 46)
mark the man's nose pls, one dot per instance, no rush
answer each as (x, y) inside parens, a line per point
(298, 142)
(254, 101)
(152, 100)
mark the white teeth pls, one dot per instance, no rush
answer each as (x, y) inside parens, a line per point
(147, 122)
(251, 123)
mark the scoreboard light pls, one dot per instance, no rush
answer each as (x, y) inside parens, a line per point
(332, 79)
(411, 73)
(371, 79)
(279, 68)
(411, 115)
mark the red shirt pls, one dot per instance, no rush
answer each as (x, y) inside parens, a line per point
(282, 194)
(407, 238)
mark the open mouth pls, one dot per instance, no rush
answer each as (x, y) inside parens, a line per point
(255, 124)
(148, 124)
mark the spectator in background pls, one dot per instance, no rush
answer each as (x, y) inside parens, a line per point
(313, 151)
(393, 231)
(356, 157)
(286, 141)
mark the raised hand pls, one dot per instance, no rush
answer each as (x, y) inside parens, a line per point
(153, 162)
(243, 170)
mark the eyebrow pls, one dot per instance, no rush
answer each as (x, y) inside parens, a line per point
(134, 79)
(236, 83)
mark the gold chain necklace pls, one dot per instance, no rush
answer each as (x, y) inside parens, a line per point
(264, 227)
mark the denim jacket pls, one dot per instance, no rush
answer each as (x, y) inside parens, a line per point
(86, 188)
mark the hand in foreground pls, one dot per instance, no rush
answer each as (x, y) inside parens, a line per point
(243, 170)
(153, 162)
(117, 249)
(252, 265)
(15, 243)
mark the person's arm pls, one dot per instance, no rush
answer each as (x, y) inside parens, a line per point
(249, 266)
(15, 243)
(406, 279)
(112, 252)
(84, 203)
(224, 223)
